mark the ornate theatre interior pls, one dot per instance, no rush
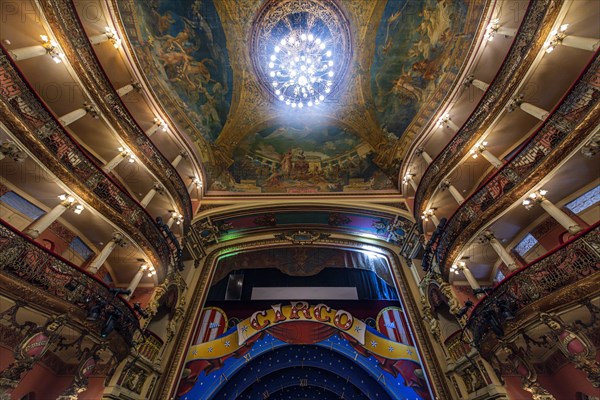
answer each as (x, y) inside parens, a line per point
(299, 199)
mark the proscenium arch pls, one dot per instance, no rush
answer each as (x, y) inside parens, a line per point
(204, 275)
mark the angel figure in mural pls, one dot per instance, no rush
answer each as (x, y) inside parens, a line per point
(163, 22)
(392, 21)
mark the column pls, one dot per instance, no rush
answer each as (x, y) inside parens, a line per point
(517, 102)
(48, 46)
(73, 116)
(157, 188)
(481, 85)
(425, 156)
(453, 191)
(559, 215)
(109, 34)
(42, 223)
(136, 280)
(462, 266)
(112, 164)
(560, 37)
(196, 184)
(158, 123)
(10, 149)
(174, 216)
(97, 262)
(579, 42)
(504, 255)
(138, 277)
(447, 122)
(480, 149)
(408, 178)
(182, 154)
(122, 91)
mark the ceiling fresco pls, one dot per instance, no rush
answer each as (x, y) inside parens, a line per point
(181, 47)
(301, 158)
(406, 73)
(207, 63)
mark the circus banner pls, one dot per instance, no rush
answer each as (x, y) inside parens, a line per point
(302, 324)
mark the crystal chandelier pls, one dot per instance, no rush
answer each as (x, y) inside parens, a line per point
(300, 69)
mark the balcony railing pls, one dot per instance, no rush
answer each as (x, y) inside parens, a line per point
(73, 39)
(150, 348)
(570, 263)
(26, 261)
(35, 125)
(526, 45)
(568, 124)
(457, 346)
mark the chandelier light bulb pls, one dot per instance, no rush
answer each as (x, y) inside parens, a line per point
(301, 69)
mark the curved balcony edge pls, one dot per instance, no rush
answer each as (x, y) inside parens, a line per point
(569, 124)
(534, 28)
(67, 26)
(49, 274)
(505, 307)
(38, 128)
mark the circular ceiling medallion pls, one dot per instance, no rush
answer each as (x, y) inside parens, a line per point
(300, 50)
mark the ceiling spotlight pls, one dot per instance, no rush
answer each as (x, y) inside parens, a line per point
(78, 209)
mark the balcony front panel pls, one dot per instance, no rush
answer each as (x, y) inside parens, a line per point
(45, 276)
(566, 275)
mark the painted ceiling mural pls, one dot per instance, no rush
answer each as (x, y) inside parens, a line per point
(181, 47)
(406, 73)
(404, 56)
(300, 158)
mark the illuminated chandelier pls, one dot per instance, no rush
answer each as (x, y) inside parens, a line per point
(301, 69)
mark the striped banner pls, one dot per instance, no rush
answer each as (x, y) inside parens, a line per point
(392, 323)
(213, 323)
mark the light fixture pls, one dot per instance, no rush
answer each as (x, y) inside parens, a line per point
(556, 37)
(301, 69)
(534, 197)
(66, 197)
(151, 271)
(443, 120)
(491, 29)
(459, 266)
(78, 209)
(427, 214)
(161, 123)
(407, 178)
(112, 36)
(52, 49)
(143, 267)
(477, 149)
